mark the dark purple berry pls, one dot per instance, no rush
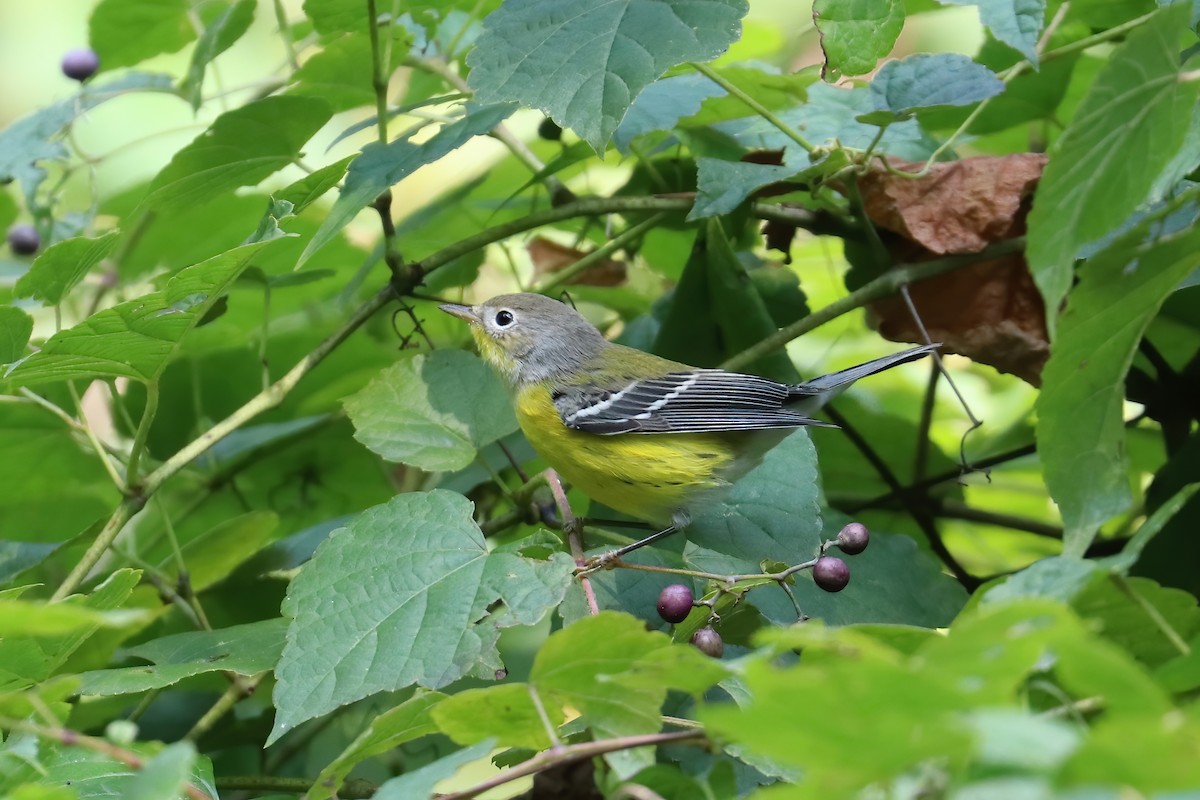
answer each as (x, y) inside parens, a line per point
(80, 63)
(831, 574)
(709, 642)
(549, 130)
(24, 239)
(853, 538)
(675, 602)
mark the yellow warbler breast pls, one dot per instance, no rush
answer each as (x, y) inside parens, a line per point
(647, 476)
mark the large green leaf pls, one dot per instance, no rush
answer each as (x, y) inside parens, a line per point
(1126, 132)
(416, 411)
(62, 265)
(240, 148)
(855, 34)
(125, 32)
(1080, 432)
(382, 165)
(402, 596)
(1017, 23)
(137, 338)
(243, 649)
(929, 80)
(583, 63)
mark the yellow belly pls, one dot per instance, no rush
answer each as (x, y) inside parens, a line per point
(648, 476)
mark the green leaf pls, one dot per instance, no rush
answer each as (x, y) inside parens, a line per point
(340, 74)
(771, 513)
(242, 649)
(716, 310)
(1125, 133)
(582, 666)
(29, 618)
(1080, 433)
(35, 137)
(230, 23)
(913, 713)
(137, 338)
(722, 186)
(15, 328)
(336, 16)
(96, 775)
(380, 166)
(240, 148)
(412, 578)
(416, 412)
(929, 80)
(662, 104)
(420, 783)
(62, 265)
(304, 192)
(1012, 739)
(125, 32)
(164, 774)
(855, 34)
(506, 713)
(1132, 551)
(27, 659)
(583, 63)
(213, 555)
(1017, 23)
(408, 721)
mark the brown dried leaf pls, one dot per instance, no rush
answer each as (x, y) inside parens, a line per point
(991, 312)
(550, 257)
(960, 206)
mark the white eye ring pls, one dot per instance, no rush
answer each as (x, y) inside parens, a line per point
(504, 318)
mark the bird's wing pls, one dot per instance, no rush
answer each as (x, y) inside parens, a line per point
(690, 401)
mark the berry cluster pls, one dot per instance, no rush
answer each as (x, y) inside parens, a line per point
(676, 601)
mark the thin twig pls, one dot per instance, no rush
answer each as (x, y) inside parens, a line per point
(602, 252)
(757, 107)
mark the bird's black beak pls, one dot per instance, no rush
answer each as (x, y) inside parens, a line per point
(462, 312)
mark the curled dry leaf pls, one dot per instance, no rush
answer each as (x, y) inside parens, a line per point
(991, 311)
(550, 257)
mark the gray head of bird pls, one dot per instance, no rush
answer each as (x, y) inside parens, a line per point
(530, 337)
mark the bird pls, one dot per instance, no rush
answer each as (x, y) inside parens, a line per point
(649, 437)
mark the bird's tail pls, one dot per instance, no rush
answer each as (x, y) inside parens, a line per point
(837, 380)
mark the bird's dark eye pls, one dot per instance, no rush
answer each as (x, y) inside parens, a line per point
(504, 318)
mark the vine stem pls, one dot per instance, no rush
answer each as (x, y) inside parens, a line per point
(378, 78)
(572, 752)
(286, 35)
(143, 433)
(74, 738)
(884, 286)
(757, 107)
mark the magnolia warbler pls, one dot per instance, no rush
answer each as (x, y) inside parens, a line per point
(649, 437)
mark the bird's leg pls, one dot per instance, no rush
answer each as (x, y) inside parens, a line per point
(613, 557)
